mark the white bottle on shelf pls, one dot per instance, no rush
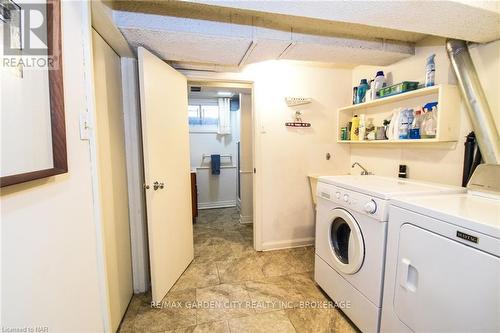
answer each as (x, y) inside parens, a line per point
(362, 127)
(378, 84)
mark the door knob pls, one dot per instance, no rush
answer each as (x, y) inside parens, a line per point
(158, 185)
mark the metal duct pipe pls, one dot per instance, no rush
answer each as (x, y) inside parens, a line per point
(480, 114)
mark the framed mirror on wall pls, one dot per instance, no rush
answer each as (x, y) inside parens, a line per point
(33, 135)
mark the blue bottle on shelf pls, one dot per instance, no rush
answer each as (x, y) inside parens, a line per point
(361, 93)
(430, 71)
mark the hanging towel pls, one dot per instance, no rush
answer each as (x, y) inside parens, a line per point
(224, 116)
(215, 164)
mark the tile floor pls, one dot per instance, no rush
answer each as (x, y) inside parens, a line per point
(229, 287)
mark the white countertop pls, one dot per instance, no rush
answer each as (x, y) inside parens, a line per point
(468, 210)
(387, 187)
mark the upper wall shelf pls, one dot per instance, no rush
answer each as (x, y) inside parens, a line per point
(395, 98)
(448, 115)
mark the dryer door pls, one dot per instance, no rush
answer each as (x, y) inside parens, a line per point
(346, 242)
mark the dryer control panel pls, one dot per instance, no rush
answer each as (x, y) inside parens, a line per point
(354, 201)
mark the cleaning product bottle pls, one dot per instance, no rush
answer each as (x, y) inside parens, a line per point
(403, 125)
(355, 128)
(392, 132)
(362, 88)
(415, 126)
(379, 83)
(430, 71)
(429, 123)
(369, 92)
(370, 129)
(411, 117)
(362, 127)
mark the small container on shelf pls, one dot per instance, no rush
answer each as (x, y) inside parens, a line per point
(343, 134)
(398, 88)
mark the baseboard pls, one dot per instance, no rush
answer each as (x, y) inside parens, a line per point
(217, 204)
(286, 244)
(246, 219)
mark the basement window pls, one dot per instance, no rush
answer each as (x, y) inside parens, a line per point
(203, 118)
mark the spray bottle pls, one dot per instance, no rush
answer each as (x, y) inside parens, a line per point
(430, 71)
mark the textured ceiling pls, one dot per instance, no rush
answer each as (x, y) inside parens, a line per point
(225, 35)
(201, 41)
(273, 20)
(477, 21)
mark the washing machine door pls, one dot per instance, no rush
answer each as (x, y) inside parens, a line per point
(346, 242)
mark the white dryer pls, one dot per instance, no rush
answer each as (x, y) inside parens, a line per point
(443, 264)
(351, 225)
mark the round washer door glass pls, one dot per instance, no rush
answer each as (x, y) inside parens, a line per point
(346, 242)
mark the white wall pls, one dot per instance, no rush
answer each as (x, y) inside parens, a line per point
(442, 163)
(285, 156)
(215, 190)
(49, 248)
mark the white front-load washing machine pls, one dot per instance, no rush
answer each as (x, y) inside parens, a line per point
(351, 227)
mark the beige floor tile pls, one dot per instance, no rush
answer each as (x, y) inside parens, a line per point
(198, 275)
(241, 269)
(276, 322)
(137, 301)
(176, 312)
(281, 292)
(222, 302)
(212, 327)
(283, 262)
(313, 320)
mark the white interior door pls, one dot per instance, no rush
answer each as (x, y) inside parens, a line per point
(165, 134)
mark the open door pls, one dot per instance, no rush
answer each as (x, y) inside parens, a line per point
(165, 136)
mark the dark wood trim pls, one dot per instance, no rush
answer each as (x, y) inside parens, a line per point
(56, 91)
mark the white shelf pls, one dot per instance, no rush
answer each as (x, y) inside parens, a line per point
(367, 142)
(448, 116)
(394, 98)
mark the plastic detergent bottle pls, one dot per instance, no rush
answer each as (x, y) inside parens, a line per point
(415, 126)
(411, 117)
(355, 128)
(378, 84)
(362, 127)
(403, 125)
(430, 71)
(362, 88)
(369, 92)
(392, 132)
